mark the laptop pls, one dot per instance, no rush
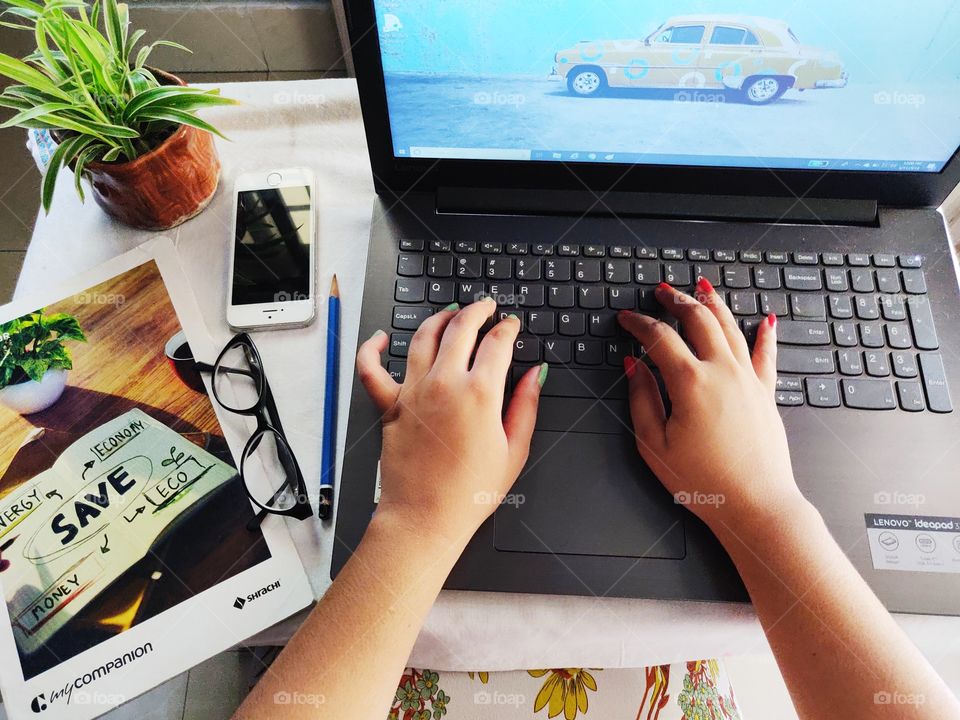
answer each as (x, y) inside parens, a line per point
(566, 157)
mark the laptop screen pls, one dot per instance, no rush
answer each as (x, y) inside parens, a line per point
(858, 85)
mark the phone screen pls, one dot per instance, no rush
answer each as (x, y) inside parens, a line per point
(272, 245)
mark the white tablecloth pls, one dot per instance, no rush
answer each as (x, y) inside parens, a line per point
(318, 124)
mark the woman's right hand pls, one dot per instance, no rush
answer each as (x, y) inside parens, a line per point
(723, 450)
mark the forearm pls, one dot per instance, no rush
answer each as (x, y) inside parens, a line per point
(839, 650)
(346, 659)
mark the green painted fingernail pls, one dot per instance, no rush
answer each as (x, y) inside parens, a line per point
(452, 306)
(514, 316)
(378, 333)
(542, 375)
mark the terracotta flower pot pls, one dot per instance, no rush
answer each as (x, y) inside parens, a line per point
(165, 187)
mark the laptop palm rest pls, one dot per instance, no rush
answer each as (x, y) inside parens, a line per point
(589, 494)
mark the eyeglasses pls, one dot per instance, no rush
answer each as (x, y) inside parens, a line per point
(268, 467)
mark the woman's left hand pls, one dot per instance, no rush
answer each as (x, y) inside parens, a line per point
(449, 455)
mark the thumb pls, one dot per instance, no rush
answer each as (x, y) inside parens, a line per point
(522, 414)
(381, 388)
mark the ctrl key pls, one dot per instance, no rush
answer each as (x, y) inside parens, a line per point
(868, 394)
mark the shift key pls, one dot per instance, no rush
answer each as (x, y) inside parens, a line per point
(806, 362)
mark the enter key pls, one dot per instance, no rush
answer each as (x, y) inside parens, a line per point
(798, 332)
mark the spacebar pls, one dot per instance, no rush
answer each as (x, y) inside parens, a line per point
(608, 384)
(580, 415)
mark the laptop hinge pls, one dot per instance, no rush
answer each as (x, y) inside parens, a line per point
(784, 210)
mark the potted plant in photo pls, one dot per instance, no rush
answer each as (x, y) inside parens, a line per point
(34, 360)
(130, 129)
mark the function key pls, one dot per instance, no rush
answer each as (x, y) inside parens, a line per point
(569, 250)
(884, 260)
(594, 251)
(465, 246)
(515, 248)
(832, 258)
(751, 256)
(416, 244)
(491, 248)
(858, 259)
(778, 257)
(805, 258)
(911, 261)
(646, 253)
(672, 254)
(620, 251)
(724, 256)
(697, 255)
(542, 249)
(439, 245)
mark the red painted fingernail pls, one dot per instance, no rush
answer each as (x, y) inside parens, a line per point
(630, 366)
(664, 286)
(772, 320)
(703, 285)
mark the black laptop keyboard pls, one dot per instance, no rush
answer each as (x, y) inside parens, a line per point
(855, 330)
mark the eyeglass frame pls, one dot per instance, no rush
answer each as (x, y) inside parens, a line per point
(268, 420)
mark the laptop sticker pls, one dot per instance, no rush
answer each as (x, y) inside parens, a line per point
(914, 543)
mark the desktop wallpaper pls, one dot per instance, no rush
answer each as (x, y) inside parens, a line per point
(492, 79)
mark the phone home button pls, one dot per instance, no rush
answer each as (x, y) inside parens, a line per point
(273, 179)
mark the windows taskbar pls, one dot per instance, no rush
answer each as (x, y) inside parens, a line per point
(733, 161)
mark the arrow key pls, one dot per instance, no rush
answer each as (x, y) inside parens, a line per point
(823, 392)
(789, 398)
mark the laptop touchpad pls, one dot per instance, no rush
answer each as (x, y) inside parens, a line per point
(587, 494)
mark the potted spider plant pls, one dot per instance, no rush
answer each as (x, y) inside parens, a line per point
(34, 359)
(130, 129)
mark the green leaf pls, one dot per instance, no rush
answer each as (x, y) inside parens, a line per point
(171, 44)
(83, 157)
(111, 155)
(152, 96)
(113, 24)
(35, 368)
(66, 326)
(20, 72)
(142, 56)
(34, 112)
(183, 118)
(64, 153)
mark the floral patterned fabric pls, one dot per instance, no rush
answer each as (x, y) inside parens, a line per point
(697, 690)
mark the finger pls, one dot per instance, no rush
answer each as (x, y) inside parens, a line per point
(460, 337)
(496, 350)
(381, 388)
(710, 298)
(664, 346)
(765, 352)
(699, 324)
(422, 353)
(646, 406)
(521, 415)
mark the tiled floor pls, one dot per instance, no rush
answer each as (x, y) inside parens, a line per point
(19, 198)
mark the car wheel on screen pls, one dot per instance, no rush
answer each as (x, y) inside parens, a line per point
(763, 89)
(587, 82)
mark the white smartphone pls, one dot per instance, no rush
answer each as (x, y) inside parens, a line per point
(273, 256)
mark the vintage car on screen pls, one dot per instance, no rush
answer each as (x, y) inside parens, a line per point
(760, 58)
